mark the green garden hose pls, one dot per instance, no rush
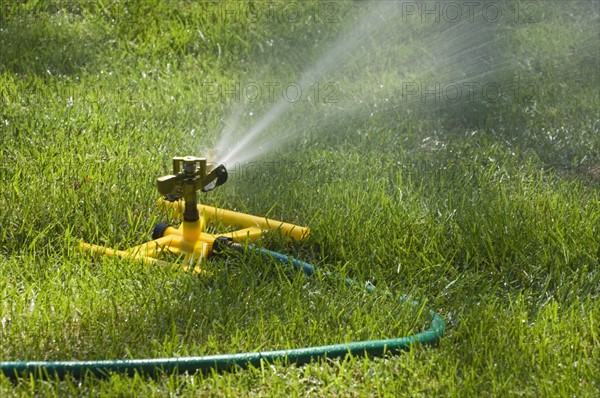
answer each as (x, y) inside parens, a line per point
(228, 361)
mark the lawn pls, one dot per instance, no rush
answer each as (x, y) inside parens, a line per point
(445, 153)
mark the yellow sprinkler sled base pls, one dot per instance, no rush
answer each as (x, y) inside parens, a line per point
(189, 240)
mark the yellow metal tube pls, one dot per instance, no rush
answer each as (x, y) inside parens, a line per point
(102, 250)
(242, 235)
(229, 217)
(246, 220)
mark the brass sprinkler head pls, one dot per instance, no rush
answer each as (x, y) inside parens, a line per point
(190, 174)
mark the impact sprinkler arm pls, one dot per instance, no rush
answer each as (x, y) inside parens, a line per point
(190, 175)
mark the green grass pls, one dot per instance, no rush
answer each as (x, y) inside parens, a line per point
(489, 211)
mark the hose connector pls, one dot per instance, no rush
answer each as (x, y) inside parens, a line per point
(224, 243)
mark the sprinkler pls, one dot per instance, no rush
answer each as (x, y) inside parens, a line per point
(190, 241)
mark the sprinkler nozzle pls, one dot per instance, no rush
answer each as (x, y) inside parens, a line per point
(218, 176)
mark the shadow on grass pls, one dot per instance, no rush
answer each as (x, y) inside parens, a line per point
(47, 45)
